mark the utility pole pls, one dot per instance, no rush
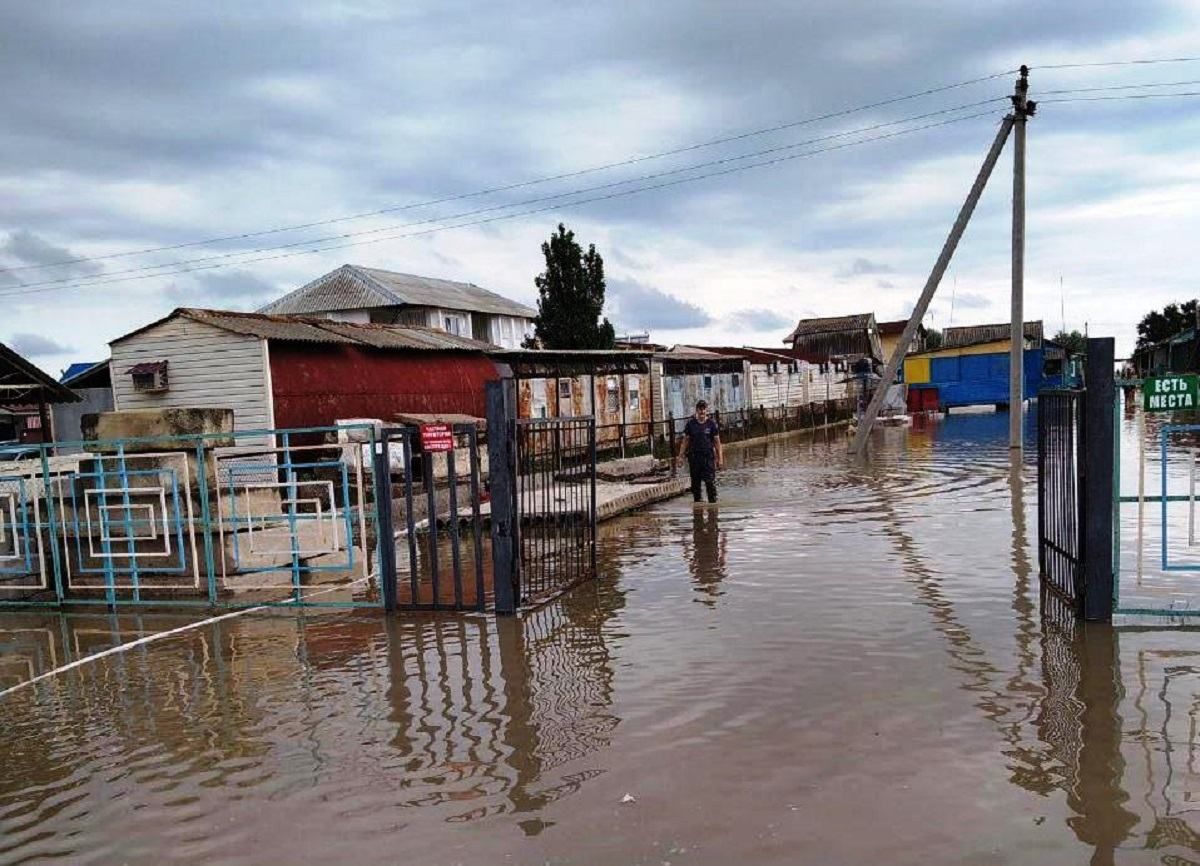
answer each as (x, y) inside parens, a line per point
(1023, 109)
(859, 444)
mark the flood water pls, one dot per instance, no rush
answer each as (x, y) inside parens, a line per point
(843, 663)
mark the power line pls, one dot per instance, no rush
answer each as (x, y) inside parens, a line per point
(1126, 86)
(500, 207)
(508, 216)
(1143, 62)
(522, 184)
(1123, 96)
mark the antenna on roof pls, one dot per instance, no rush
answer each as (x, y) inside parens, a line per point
(1062, 301)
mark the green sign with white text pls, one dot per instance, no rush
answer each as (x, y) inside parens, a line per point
(1171, 393)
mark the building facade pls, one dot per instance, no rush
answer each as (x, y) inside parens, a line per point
(278, 372)
(362, 295)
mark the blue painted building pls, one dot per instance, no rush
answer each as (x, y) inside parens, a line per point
(973, 369)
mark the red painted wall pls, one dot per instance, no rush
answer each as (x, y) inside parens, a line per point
(316, 384)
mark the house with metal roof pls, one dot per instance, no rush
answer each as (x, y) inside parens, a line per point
(779, 377)
(843, 339)
(361, 295)
(971, 367)
(287, 372)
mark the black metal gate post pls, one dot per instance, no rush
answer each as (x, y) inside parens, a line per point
(500, 432)
(592, 516)
(383, 510)
(1099, 450)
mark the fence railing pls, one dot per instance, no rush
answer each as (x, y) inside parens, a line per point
(661, 437)
(227, 519)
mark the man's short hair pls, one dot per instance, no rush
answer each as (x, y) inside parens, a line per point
(701, 404)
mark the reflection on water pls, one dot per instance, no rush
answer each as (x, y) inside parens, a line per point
(869, 676)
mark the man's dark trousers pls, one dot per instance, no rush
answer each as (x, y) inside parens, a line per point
(704, 469)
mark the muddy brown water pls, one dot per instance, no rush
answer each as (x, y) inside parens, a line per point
(842, 663)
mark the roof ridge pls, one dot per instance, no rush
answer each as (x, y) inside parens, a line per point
(362, 273)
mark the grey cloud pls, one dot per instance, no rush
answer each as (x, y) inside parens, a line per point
(35, 345)
(641, 306)
(218, 288)
(319, 98)
(885, 284)
(30, 249)
(760, 319)
(862, 267)
(970, 301)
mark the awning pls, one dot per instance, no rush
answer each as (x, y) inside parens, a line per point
(21, 382)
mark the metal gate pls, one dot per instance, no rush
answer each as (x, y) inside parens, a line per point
(438, 559)
(1076, 488)
(555, 505)
(1060, 491)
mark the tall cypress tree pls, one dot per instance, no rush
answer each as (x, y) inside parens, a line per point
(571, 296)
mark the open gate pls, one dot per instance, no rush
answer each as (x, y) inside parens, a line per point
(1076, 488)
(555, 505)
(492, 524)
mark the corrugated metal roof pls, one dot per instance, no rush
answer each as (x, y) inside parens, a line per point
(404, 337)
(969, 335)
(353, 287)
(694, 353)
(895, 329)
(299, 329)
(76, 368)
(755, 356)
(832, 324)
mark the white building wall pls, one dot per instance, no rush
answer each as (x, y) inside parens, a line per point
(774, 385)
(206, 368)
(357, 317)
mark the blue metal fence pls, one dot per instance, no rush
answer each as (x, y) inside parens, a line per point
(261, 517)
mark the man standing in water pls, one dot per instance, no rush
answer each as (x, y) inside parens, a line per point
(702, 445)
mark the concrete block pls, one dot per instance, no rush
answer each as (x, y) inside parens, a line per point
(101, 427)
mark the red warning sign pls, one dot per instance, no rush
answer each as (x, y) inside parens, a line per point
(437, 437)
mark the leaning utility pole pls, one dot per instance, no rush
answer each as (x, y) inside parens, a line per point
(1022, 110)
(863, 435)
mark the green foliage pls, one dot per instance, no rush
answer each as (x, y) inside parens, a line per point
(1158, 325)
(571, 297)
(933, 339)
(1074, 342)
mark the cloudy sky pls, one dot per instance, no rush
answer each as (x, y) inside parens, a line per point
(138, 125)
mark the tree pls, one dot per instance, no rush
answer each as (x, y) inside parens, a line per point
(571, 297)
(933, 339)
(1074, 342)
(1158, 325)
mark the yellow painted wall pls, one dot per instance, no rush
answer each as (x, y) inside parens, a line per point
(889, 343)
(916, 370)
(977, 349)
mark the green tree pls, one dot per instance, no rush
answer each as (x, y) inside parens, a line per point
(933, 339)
(1158, 325)
(571, 297)
(1074, 342)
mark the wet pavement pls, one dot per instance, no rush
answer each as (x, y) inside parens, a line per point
(841, 663)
